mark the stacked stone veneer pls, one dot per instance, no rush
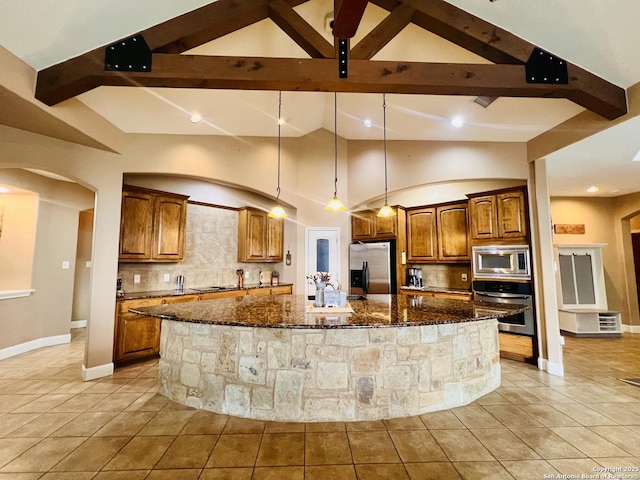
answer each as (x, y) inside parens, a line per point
(328, 374)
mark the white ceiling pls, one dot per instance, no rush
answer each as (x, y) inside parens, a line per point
(598, 36)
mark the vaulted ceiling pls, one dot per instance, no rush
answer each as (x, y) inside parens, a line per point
(227, 59)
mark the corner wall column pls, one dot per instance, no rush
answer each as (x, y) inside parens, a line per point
(550, 358)
(98, 357)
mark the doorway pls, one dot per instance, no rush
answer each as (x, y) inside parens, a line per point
(322, 253)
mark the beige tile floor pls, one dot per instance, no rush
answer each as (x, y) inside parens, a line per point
(54, 426)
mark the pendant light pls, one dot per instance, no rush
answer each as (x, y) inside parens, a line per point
(386, 210)
(335, 205)
(278, 211)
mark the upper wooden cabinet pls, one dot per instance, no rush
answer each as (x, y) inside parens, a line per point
(499, 215)
(422, 235)
(453, 232)
(366, 225)
(152, 225)
(438, 233)
(260, 237)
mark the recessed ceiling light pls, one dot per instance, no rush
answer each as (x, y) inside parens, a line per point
(195, 117)
(457, 121)
(592, 189)
(367, 123)
(636, 158)
(4, 190)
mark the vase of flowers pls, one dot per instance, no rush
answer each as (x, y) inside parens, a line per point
(321, 280)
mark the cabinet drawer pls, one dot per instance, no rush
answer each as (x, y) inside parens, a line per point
(282, 290)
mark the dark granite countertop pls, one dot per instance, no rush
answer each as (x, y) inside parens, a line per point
(290, 311)
(194, 291)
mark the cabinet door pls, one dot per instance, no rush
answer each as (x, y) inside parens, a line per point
(275, 239)
(453, 234)
(511, 214)
(482, 211)
(421, 235)
(169, 226)
(362, 225)
(256, 234)
(136, 226)
(385, 227)
(136, 336)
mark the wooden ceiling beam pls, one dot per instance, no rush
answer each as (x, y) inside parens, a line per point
(299, 30)
(468, 31)
(345, 23)
(382, 34)
(80, 74)
(367, 76)
(500, 46)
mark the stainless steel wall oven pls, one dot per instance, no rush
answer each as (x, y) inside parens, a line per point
(501, 292)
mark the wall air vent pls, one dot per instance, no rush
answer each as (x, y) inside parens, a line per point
(484, 101)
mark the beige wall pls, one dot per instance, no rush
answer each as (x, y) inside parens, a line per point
(47, 312)
(82, 282)
(18, 212)
(606, 220)
(413, 164)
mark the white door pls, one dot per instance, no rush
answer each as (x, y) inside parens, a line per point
(323, 254)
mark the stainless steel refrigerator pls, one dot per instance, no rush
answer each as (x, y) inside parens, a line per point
(372, 268)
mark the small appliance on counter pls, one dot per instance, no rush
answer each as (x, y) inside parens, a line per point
(275, 278)
(265, 277)
(414, 277)
(240, 274)
(180, 283)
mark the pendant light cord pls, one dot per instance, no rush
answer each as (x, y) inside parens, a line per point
(279, 127)
(384, 132)
(335, 144)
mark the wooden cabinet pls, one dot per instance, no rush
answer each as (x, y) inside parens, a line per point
(453, 232)
(438, 233)
(511, 212)
(499, 216)
(260, 237)
(152, 226)
(422, 235)
(138, 337)
(449, 295)
(517, 347)
(282, 290)
(366, 225)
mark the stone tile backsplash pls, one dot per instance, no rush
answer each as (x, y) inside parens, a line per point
(211, 252)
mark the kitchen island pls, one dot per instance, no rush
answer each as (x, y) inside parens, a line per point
(267, 357)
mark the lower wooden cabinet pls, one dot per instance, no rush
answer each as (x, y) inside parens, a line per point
(449, 295)
(138, 337)
(517, 347)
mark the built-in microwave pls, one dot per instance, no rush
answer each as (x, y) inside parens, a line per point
(502, 261)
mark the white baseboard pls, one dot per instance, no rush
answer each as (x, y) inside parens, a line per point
(33, 344)
(100, 371)
(630, 328)
(542, 364)
(555, 369)
(78, 323)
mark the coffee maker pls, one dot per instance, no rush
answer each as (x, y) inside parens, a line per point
(414, 277)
